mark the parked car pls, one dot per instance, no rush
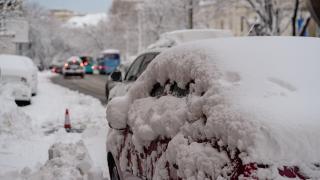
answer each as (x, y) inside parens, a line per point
(73, 67)
(117, 84)
(109, 61)
(21, 73)
(229, 108)
(88, 63)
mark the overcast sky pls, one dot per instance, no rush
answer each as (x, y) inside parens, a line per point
(81, 6)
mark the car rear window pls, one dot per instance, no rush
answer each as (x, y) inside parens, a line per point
(74, 63)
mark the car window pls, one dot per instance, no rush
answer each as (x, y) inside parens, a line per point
(134, 69)
(173, 89)
(74, 63)
(145, 63)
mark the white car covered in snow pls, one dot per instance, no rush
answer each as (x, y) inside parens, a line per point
(232, 108)
(21, 73)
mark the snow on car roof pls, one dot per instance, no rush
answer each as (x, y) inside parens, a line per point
(111, 51)
(13, 64)
(260, 95)
(172, 38)
(74, 58)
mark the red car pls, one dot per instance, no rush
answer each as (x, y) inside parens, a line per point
(229, 108)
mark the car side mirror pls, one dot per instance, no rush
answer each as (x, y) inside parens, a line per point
(116, 76)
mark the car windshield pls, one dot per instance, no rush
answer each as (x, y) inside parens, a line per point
(74, 63)
(111, 56)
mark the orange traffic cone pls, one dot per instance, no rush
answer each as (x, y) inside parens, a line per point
(67, 123)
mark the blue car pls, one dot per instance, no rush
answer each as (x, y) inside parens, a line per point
(109, 62)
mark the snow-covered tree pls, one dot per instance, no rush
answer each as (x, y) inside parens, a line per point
(47, 38)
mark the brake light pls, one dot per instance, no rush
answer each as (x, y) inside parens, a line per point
(85, 63)
(66, 65)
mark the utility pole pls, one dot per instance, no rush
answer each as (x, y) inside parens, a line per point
(190, 14)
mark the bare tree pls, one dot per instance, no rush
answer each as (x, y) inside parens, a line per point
(273, 16)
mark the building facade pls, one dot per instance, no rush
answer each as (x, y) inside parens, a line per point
(14, 37)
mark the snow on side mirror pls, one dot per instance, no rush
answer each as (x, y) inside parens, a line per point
(117, 112)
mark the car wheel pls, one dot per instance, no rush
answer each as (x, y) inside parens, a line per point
(82, 76)
(113, 170)
(114, 175)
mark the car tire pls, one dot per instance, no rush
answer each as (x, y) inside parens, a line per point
(113, 171)
(82, 76)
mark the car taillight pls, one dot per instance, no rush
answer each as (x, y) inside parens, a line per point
(93, 67)
(81, 64)
(66, 65)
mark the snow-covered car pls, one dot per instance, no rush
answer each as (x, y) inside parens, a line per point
(21, 73)
(229, 108)
(114, 88)
(73, 67)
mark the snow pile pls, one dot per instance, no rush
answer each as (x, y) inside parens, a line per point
(67, 161)
(28, 132)
(86, 20)
(248, 100)
(13, 121)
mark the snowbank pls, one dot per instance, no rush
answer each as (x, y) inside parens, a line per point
(13, 121)
(26, 133)
(256, 96)
(67, 161)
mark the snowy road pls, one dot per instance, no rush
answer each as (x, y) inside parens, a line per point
(93, 85)
(27, 133)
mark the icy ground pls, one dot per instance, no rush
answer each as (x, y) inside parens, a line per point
(27, 133)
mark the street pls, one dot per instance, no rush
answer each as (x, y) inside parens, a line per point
(92, 85)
